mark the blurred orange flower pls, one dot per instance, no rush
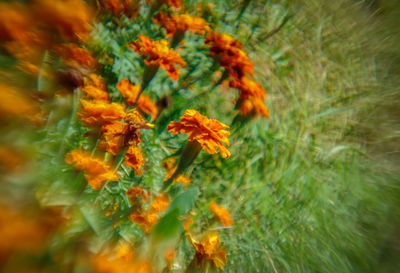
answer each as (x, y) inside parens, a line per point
(97, 113)
(158, 53)
(147, 219)
(15, 104)
(230, 53)
(121, 260)
(209, 133)
(181, 23)
(221, 213)
(136, 192)
(118, 7)
(95, 87)
(251, 97)
(75, 56)
(96, 171)
(71, 18)
(208, 249)
(134, 159)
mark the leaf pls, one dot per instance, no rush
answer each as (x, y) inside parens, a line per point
(185, 200)
(168, 226)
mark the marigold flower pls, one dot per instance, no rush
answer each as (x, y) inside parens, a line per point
(209, 133)
(171, 167)
(181, 23)
(134, 159)
(113, 136)
(95, 87)
(248, 88)
(221, 213)
(208, 250)
(96, 171)
(131, 93)
(135, 120)
(230, 53)
(254, 106)
(72, 18)
(136, 192)
(158, 53)
(97, 113)
(148, 219)
(117, 7)
(121, 260)
(76, 57)
(172, 3)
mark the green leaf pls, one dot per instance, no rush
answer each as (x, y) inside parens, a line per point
(185, 200)
(168, 226)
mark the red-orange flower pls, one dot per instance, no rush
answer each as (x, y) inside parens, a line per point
(230, 53)
(134, 159)
(172, 3)
(251, 97)
(181, 23)
(209, 133)
(95, 87)
(97, 113)
(221, 213)
(118, 7)
(158, 53)
(208, 249)
(76, 57)
(96, 171)
(135, 193)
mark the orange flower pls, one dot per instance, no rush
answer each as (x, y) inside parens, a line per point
(253, 106)
(248, 88)
(187, 223)
(171, 168)
(96, 171)
(136, 192)
(131, 93)
(15, 104)
(118, 7)
(172, 3)
(158, 53)
(15, 23)
(76, 57)
(95, 87)
(251, 97)
(208, 250)
(72, 18)
(222, 214)
(136, 121)
(209, 133)
(134, 159)
(148, 219)
(230, 53)
(121, 260)
(181, 23)
(97, 113)
(113, 136)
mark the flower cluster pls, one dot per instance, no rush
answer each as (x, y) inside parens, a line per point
(209, 133)
(159, 54)
(181, 23)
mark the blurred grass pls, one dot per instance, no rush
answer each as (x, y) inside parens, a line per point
(322, 195)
